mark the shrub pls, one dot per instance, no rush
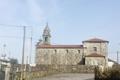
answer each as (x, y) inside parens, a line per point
(107, 74)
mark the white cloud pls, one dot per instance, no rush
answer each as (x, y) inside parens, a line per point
(25, 12)
(35, 11)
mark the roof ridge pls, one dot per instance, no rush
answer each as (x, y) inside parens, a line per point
(95, 40)
(60, 46)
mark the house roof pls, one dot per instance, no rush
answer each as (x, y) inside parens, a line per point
(110, 60)
(96, 40)
(59, 46)
(94, 55)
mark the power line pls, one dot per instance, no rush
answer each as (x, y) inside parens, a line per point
(15, 37)
(18, 27)
(10, 25)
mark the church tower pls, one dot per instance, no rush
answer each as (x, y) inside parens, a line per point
(46, 35)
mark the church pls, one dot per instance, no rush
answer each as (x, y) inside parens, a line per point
(91, 52)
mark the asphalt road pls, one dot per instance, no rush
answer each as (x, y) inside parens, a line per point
(69, 76)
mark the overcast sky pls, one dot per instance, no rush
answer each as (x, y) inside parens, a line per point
(70, 21)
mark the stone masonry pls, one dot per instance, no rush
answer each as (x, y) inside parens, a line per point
(91, 52)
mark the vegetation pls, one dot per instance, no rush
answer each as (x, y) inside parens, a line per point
(108, 74)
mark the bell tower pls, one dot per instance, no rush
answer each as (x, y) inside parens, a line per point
(46, 35)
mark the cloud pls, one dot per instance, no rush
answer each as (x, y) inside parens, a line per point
(35, 11)
(25, 12)
(7, 11)
(43, 10)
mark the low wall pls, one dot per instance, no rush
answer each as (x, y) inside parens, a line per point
(72, 68)
(45, 70)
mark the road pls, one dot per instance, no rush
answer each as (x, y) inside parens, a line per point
(69, 76)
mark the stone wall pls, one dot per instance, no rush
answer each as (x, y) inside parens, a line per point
(45, 70)
(72, 68)
(102, 48)
(94, 61)
(54, 69)
(59, 56)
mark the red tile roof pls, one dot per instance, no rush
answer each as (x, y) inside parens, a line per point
(94, 55)
(60, 46)
(95, 40)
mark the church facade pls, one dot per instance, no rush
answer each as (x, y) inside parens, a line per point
(91, 52)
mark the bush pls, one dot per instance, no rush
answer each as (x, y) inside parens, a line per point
(107, 74)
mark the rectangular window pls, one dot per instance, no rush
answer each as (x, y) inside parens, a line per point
(67, 51)
(55, 51)
(95, 48)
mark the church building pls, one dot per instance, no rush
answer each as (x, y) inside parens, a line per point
(91, 52)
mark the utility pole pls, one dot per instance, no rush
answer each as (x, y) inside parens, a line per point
(118, 57)
(30, 54)
(4, 53)
(23, 52)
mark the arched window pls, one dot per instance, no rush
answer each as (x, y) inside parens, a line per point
(46, 39)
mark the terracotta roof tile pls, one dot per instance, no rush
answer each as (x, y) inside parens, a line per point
(60, 46)
(94, 55)
(110, 60)
(95, 40)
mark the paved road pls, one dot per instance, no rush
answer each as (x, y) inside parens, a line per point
(69, 76)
